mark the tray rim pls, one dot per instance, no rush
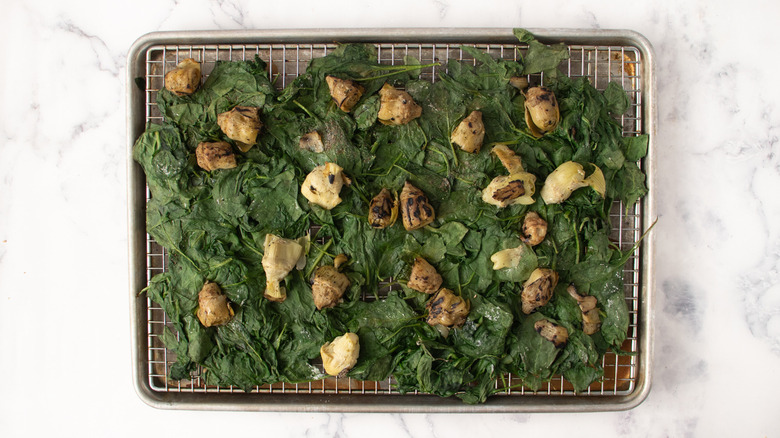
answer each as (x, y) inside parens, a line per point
(379, 403)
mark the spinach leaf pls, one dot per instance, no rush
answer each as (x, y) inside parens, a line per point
(540, 57)
(165, 160)
(635, 147)
(230, 84)
(535, 353)
(485, 329)
(616, 98)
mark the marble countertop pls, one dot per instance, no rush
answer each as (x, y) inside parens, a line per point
(64, 320)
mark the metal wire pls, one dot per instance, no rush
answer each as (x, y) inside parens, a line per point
(600, 64)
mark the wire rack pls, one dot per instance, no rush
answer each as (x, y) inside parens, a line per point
(600, 64)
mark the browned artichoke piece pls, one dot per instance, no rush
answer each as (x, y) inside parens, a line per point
(534, 229)
(241, 124)
(213, 306)
(554, 333)
(509, 159)
(312, 141)
(328, 287)
(323, 185)
(383, 210)
(591, 320)
(538, 289)
(217, 155)
(518, 82)
(511, 191)
(541, 111)
(339, 260)
(416, 211)
(344, 92)
(184, 79)
(424, 277)
(469, 133)
(396, 107)
(447, 309)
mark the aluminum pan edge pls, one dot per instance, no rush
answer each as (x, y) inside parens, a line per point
(378, 403)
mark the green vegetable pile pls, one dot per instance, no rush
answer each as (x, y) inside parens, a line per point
(214, 224)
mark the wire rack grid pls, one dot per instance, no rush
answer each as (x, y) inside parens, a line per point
(600, 64)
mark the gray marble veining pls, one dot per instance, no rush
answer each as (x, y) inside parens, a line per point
(64, 335)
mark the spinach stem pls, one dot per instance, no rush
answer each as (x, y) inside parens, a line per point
(555, 255)
(524, 134)
(392, 335)
(470, 279)
(389, 169)
(479, 215)
(577, 241)
(508, 143)
(359, 190)
(374, 147)
(627, 255)
(180, 252)
(304, 109)
(403, 67)
(395, 70)
(219, 265)
(236, 284)
(444, 157)
(452, 146)
(251, 247)
(278, 340)
(322, 251)
(402, 169)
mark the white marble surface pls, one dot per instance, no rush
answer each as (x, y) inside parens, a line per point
(64, 320)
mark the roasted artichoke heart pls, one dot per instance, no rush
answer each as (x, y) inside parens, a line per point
(396, 107)
(541, 111)
(509, 257)
(512, 189)
(341, 354)
(328, 286)
(416, 211)
(383, 210)
(553, 332)
(312, 141)
(534, 229)
(241, 124)
(323, 184)
(424, 277)
(213, 306)
(280, 256)
(447, 309)
(538, 289)
(569, 177)
(184, 79)
(591, 320)
(217, 155)
(516, 188)
(469, 133)
(344, 92)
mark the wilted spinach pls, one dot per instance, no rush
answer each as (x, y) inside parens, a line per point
(214, 224)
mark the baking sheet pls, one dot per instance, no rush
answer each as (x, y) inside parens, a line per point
(602, 56)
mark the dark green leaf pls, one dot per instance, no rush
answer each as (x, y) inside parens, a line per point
(617, 98)
(635, 147)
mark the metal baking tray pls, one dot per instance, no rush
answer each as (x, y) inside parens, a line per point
(600, 55)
